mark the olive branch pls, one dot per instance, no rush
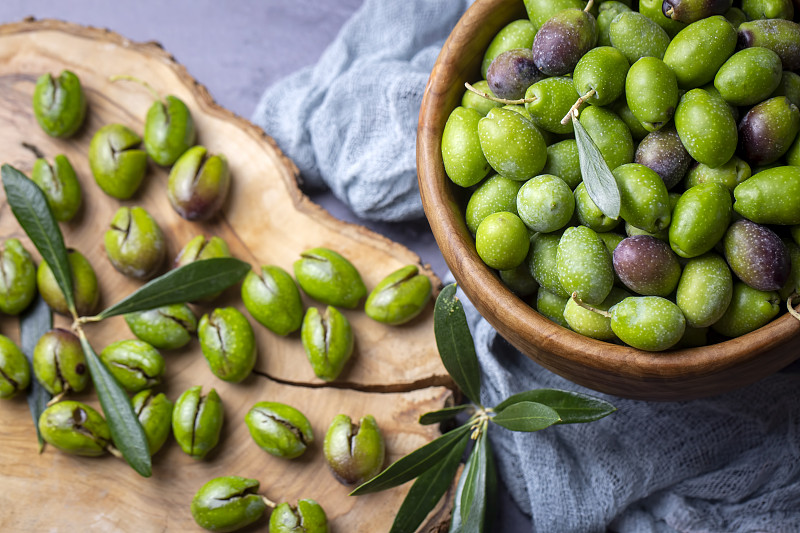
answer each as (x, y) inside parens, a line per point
(189, 282)
(435, 465)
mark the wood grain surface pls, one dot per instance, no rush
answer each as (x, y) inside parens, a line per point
(395, 373)
(620, 370)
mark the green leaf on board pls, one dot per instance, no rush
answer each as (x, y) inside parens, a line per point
(29, 205)
(473, 497)
(526, 416)
(600, 182)
(428, 489)
(126, 431)
(414, 464)
(434, 417)
(33, 323)
(184, 284)
(572, 407)
(455, 344)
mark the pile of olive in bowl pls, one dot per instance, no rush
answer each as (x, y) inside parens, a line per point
(693, 108)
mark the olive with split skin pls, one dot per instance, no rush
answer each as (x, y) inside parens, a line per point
(198, 184)
(355, 453)
(118, 166)
(227, 503)
(15, 374)
(330, 278)
(228, 344)
(134, 243)
(271, 297)
(59, 105)
(59, 362)
(308, 517)
(60, 185)
(75, 428)
(17, 278)
(399, 297)
(84, 284)
(168, 130)
(279, 429)
(197, 421)
(166, 328)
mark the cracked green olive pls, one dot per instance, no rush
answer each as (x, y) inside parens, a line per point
(328, 341)
(329, 278)
(17, 278)
(227, 504)
(135, 244)
(76, 428)
(197, 421)
(135, 364)
(355, 453)
(279, 429)
(59, 105)
(166, 328)
(399, 297)
(59, 362)
(308, 517)
(168, 130)
(271, 297)
(84, 285)
(118, 166)
(60, 185)
(228, 344)
(15, 373)
(154, 412)
(198, 184)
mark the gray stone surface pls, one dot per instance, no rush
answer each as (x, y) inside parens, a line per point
(237, 48)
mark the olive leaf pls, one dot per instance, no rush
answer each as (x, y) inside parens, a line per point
(434, 417)
(428, 489)
(572, 407)
(184, 284)
(600, 182)
(33, 323)
(126, 431)
(412, 465)
(455, 344)
(29, 205)
(473, 496)
(526, 416)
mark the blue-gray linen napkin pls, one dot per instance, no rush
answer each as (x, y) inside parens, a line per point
(725, 464)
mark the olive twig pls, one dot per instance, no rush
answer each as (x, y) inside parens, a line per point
(479, 422)
(589, 307)
(790, 307)
(500, 100)
(136, 80)
(589, 5)
(573, 111)
(33, 148)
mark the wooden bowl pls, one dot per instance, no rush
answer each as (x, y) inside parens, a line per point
(605, 367)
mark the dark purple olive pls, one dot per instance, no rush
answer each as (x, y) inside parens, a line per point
(663, 151)
(562, 40)
(767, 131)
(512, 72)
(647, 265)
(757, 255)
(779, 35)
(689, 11)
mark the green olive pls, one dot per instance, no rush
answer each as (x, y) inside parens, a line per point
(17, 278)
(59, 104)
(84, 285)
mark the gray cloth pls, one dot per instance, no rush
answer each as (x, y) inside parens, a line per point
(725, 464)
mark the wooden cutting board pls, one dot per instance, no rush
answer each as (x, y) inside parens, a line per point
(395, 373)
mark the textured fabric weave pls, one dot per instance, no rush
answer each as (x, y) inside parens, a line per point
(720, 465)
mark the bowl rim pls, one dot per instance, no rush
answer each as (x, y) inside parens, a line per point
(670, 375)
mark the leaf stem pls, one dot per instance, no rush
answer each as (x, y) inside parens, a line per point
(573, 111)
(589, 307)
(269, 503)
(115, 452)
(589, 5)
(58, 397)
(499, 100)
(134, 79)
(792, 310)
